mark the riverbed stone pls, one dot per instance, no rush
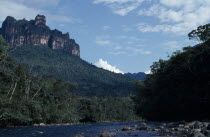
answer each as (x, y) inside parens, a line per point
(36, 125)
(186, 127)
(171, 125)
(143, 124)
(197, 125)
(161, 127)
(107, 134)
(135, 125)
(155, 129)
(208, 127)
(196, 133)
(126, 128)
(205, 125)
(39, 132)
(144, 128)
(42, 124)
(163, 124)
(206, 132)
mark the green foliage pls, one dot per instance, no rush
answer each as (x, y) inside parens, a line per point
(26, 98)
(2, 41)
(107, 109)
(202, 33)
(178, 88)
(90, 80)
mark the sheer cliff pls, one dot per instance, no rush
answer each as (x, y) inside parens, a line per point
(36, 33)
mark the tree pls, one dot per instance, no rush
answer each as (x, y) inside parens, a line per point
(3, 54)
(178, 88)
(201, 34)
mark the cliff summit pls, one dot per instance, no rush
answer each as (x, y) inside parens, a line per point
(36, 32)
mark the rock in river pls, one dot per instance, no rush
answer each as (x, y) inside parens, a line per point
(107, 134)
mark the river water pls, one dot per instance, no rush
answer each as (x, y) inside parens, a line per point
(88, 130)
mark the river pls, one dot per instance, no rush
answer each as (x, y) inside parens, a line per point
(87, 130)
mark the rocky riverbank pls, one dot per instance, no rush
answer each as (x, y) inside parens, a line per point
(173, 129)
(180, 129)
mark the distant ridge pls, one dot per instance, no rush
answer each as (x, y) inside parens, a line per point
(137, 76)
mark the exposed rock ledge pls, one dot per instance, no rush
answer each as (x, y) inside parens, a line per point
(36, 32)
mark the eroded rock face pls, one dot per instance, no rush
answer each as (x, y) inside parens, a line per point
(36, 32)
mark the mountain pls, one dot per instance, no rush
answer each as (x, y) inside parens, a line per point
(137, 76)
(90, 80)
(50, 52)
(36, 32)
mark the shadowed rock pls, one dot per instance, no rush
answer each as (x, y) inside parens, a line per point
(36, 32)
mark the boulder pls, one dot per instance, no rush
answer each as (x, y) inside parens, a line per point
(163, 124)
(143, 124)
(42, 124)
(196, 133)
(197, 125)
(135, 126)
(126, 128)
(36, 125)
(107, 134)
(144, 128)
(206, 133)
(208, 127)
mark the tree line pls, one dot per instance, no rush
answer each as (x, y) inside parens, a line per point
(179, 88)
(27, 98)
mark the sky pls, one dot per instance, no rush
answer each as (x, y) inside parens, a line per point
(119, 35)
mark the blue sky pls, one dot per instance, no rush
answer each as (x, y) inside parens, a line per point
(119, 35)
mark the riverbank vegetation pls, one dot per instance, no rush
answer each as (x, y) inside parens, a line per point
(179, 88)
(27, 98)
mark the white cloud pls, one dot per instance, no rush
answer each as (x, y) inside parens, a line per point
(103, 41)
(118, 47)
(106, 27)
(148, 72)
(120, 7)
(20, 9)
(37, 3)
(118, 53)
(137, 51)
(112, 1)
(105, 65)
(126, 28)
(16, 10)
(180, 28)
(125, 10)
(172, 45)
(131, 38)
(176, 16)
(60, 18)
(130, 51)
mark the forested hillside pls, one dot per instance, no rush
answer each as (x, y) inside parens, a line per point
(179, 88)
(90, 80)
(27, 99)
